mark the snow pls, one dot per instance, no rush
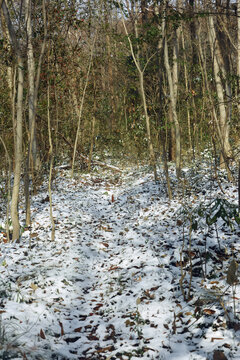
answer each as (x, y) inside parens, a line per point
(108, 287)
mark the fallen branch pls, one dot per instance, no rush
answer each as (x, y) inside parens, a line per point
(99, 163)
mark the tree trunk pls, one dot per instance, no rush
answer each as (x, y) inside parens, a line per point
(222, 122)
(17, 126)
(33, 159)
(238, 53)
(17, 154)
(142, 93)
(174, 110)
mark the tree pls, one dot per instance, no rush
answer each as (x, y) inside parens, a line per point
(141, 70)
(17, 126)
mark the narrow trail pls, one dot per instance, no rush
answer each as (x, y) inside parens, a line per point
(117, 277)
(108, 287)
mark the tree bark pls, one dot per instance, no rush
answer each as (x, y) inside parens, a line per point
(222, 121)
(17, 127)
(174, 109)
(33, 159)
(143, 96)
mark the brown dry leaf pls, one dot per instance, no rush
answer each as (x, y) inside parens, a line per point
(188, 313)
(33, 235)
(129, 323)
(78, 329)
(97, 307)
(42, 335)
(107, 348)
(166, 326)
(105, 244)
(219, 355)
(179, 305)
(214, 338)
(209, 311)
(61, 326)
(113, 268)
(92, 337)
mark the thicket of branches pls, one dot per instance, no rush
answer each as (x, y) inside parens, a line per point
(143, 79)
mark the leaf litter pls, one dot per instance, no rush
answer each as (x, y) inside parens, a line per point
(126, 277)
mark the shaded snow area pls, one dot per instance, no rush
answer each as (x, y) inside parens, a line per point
(130, 274)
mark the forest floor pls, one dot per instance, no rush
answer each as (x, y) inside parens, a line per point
(130, 274)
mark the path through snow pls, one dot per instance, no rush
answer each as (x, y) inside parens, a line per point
(104, 289)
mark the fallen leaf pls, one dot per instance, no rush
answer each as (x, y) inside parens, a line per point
(97, 307)
(61, 326)
(219, 355)
(42, 335)
(138, 301)
(78, 329)
(113, 268)
(108, 348)
(209, 311)
(214, 338)
(34, 286)
(33, 235)
(105, 244)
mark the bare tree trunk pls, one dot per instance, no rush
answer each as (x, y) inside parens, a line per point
(82, 103)
(93, 128)
(33, 160)
(238, 53)
(143, 96)
(187, 95)
(51, 157)
(17, 127)
(18, 154)
(174, 110)
(222, 122)
(8, 185)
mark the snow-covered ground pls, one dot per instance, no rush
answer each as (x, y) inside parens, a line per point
(112, 284)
